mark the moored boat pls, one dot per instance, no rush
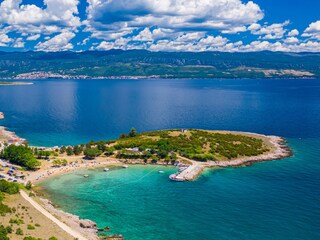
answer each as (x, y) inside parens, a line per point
(181, 169)
(176, 178)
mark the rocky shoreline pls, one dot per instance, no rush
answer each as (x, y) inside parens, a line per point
(85, 227)
(88, 228)
(11, 136)
(280, 151)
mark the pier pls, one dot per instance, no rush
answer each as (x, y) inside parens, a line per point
(190, 173)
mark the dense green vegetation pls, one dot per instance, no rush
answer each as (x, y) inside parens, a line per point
(91, 153)
(165, 145)
(58, 162)
(194, 144)
(8, 188)
(20, 155)
(164, 64)
(4, 231)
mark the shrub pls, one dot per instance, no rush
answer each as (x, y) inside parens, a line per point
(9, 187)
(30, 227)
(19, 231)
(28, 185)
(21, 155)
(91, 153)
(16, 221)
(53, 238)
(4, 209)
(31, 238)
(9, 229)
(4, 232)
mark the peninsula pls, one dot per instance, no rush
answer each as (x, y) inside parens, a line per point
(190, 150)
(14, 83)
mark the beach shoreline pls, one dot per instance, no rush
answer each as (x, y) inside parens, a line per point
(279, 150)
(9, 136)
(87, 228)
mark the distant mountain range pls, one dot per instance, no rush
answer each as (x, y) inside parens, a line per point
(141, 63)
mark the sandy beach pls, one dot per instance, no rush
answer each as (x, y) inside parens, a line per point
(50, 171)
(87, 228)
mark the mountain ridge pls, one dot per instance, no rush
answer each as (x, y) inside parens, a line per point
(143, 63)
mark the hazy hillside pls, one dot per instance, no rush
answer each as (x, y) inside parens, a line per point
(162, 64)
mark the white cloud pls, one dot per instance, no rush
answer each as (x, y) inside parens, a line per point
(59, 42)
(273, 31)
(234, 30)
(33, 37)
(19, 43)
(144, 35)
(5, 39)
(292, 40)
(313, 27)
(313, 31)
(229, 16)
(190, 43)
(105, 46)
(293, 33)
(56, 15)
(156, 25)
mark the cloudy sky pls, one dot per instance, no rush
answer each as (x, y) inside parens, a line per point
(160, 25)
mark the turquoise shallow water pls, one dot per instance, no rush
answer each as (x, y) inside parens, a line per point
(270, 200)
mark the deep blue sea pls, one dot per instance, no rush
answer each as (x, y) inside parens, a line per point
(269, 200)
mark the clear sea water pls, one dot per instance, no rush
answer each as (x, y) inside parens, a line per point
(270, 200)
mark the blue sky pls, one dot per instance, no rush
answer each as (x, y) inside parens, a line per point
(160, 25)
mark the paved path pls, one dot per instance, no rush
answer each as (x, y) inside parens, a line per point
(52, 218)
(193, 171)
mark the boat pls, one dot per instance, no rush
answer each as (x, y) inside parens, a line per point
(86, 175)
(125, 166)
(106, 169)
(181, 169)
(176, 178)
(161, 172)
